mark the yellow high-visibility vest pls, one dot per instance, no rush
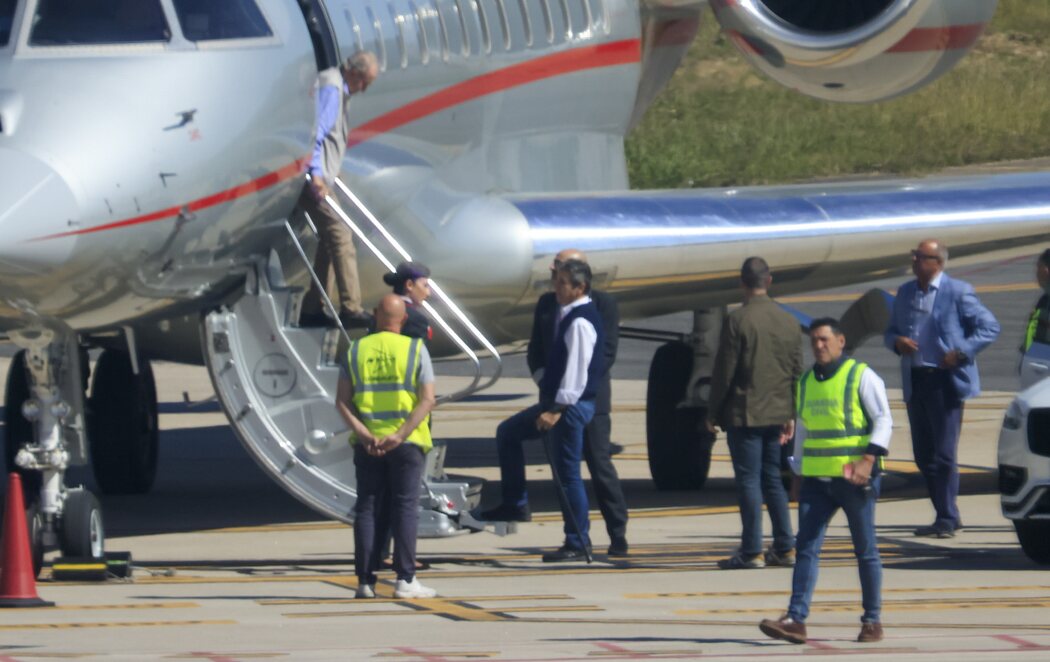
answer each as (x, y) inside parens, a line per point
(1033, 325)
(383, 368)
(837, 428)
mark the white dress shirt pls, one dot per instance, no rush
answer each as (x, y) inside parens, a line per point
(579, 340)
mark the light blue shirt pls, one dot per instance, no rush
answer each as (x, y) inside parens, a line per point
(328, 98)
(923, 332)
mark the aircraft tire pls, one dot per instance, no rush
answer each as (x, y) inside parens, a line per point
(82, 535)
(679, 445)
(123, 425)
(17, 430)
(1034, 536)
(35, 524)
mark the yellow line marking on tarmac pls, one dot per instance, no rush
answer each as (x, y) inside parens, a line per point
(379, 598)
(135, 605)
(458, 609)
(111, 624)
(919, 604)
(832, 591)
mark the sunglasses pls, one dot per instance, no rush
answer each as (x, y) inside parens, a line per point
(916, 255)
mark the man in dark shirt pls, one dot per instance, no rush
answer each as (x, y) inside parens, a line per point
(758, 363)
(1038, 327)
(597, 449)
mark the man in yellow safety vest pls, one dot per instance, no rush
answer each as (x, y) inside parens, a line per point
(1038, 328)
(385, 394)
(841, 435)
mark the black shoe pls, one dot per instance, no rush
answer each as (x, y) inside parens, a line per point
(935, 531)
(506, 513)
(314, 321)
(564, 553)
(358, 320)
(618, 546)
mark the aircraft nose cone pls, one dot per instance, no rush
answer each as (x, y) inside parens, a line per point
(35, 203)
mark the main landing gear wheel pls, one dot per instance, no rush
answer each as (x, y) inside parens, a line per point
(678, 441)
(123, 422)
(1034, 536)
(18, 431)
(82, 534)
(35, 524)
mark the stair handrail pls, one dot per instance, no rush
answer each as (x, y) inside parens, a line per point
(471, 388)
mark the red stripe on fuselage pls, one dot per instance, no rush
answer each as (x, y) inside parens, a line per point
(549, 66)
(266, 181)
(946, 38)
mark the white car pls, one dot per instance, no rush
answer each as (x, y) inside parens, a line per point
(1024, 469)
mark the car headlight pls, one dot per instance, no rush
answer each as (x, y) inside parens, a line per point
(1014, 417)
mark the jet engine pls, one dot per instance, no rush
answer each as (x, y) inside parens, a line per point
(854, 51)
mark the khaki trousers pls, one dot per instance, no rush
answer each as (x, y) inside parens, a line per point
(336, 261)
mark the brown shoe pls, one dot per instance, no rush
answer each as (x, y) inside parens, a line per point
(870, 632)
(785, 628)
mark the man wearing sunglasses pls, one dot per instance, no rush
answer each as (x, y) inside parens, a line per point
(937, 327)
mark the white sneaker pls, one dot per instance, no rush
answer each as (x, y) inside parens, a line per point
(412, 589)
(365, 591)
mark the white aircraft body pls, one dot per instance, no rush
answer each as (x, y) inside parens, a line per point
(152, 152)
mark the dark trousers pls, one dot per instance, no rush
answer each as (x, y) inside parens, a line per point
(399, 472)
(935, 415)
(756, 465)
(566, 449)
(597, 452)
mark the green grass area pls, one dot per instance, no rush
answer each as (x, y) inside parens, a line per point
(720, 123)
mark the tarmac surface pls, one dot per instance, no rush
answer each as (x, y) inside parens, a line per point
(230, 567)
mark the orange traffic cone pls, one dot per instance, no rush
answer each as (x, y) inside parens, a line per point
(17, 582)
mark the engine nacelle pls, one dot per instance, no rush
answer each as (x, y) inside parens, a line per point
(854, 50)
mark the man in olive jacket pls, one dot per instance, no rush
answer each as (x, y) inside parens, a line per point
(759, 360)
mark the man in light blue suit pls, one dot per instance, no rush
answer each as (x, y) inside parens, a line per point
(937, 327)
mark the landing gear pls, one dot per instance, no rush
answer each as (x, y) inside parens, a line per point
(82, 533)
(1034, 536)
(678, 442)
(46, 435)
(18, 431)
(123, 424)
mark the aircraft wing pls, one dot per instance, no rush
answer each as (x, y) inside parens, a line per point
(660, 251)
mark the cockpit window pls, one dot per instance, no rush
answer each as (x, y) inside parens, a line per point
(80, 22)
(204, 20)
(7, 16)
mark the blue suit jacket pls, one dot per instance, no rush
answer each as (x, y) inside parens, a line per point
(960, 322)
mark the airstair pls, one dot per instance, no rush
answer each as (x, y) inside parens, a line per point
(277, 381)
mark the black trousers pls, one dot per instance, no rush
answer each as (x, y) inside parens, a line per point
(597, 452)
(399, 472)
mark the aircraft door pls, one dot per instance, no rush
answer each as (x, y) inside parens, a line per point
(326, 47)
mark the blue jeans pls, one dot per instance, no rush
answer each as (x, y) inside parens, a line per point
(756, 464)
(818, 502)
(566, 450)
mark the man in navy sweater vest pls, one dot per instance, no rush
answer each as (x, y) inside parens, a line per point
(567, 393)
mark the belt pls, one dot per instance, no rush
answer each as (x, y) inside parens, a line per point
(927, 371)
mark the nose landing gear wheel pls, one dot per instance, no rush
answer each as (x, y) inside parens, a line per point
(81, 533)
(35, 523)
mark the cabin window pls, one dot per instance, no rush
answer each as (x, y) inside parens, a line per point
(402, 44)
(379, 40)
(461, 14)
(81, 22)
(483, 21)
(355, 29)
(445, 47)
(526, 21)
(204, 20)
